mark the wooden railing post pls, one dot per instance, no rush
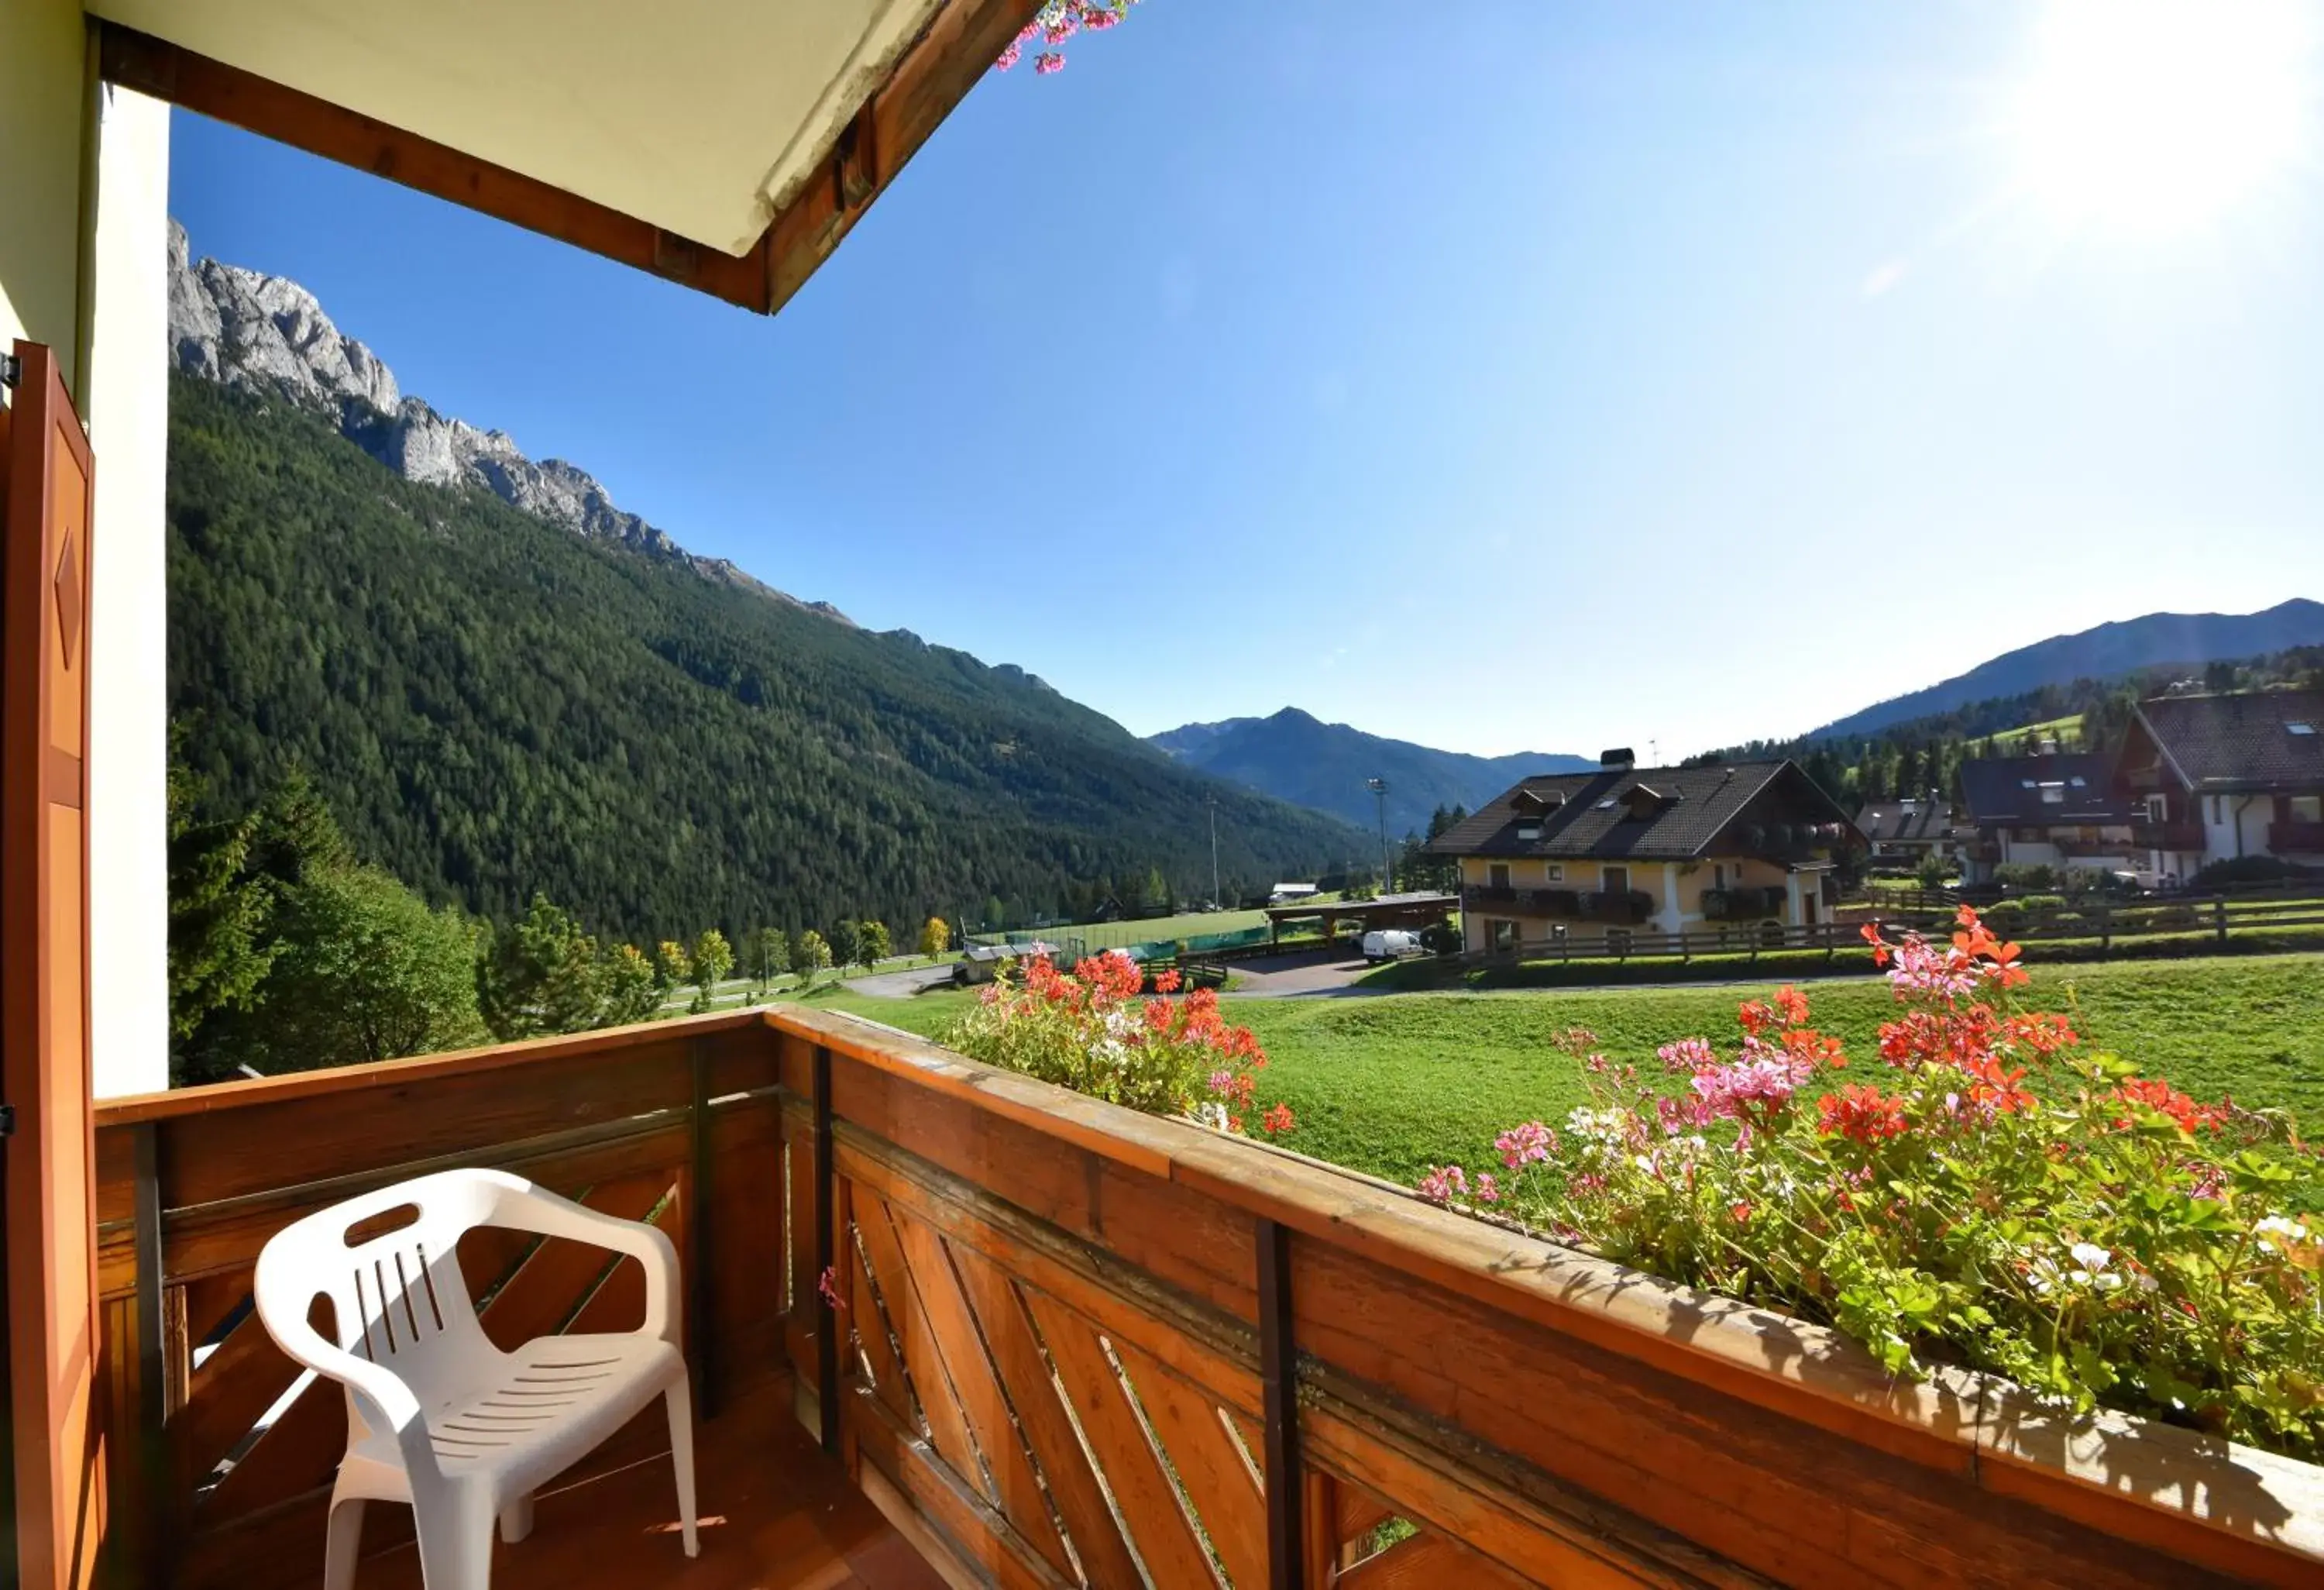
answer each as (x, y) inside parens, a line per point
(1278, 1373)
(827, 1318)
(697, 1240)
(148, 1557)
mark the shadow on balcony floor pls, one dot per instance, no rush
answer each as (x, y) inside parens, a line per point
(777, 1515)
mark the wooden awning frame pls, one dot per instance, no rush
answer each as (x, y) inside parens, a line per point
(931, 77)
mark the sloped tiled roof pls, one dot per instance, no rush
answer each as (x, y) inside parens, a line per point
(1882, 821)
(2007, 791)
(2244, 741)
(1596, 815)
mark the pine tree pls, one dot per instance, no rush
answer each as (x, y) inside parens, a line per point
(218, 912)
(631, 993)
(542, 975)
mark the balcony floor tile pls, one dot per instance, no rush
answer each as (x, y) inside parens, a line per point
(786, 1519)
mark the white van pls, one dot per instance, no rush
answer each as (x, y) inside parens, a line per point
(1385, 944)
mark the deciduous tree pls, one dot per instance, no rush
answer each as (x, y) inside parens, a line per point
(366, 971)
(672, 969)
(934, 938)
(810, 953)
(769, 956)
(846, 942)
(871, 943)
(714, 959)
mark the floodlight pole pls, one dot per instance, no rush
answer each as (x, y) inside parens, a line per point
(1379, 787)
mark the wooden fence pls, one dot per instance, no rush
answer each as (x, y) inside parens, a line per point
(1070, 1344)
(2097, 929)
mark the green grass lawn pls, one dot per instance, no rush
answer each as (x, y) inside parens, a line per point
(1113, 935)
(1396, 1083)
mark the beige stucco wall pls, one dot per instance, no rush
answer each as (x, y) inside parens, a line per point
(44, 119)
(1676, 889)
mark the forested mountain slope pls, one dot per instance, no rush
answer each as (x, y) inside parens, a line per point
(495, 705)
(2130, 645)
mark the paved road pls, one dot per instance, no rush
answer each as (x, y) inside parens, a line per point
(901, 984)
(1312, 974)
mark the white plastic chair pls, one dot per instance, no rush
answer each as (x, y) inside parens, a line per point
(437, 1416)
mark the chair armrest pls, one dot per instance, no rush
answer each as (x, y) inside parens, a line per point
(522, 1206)
(382, 1397)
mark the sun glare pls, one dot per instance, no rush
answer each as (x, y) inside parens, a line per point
(2156, 116)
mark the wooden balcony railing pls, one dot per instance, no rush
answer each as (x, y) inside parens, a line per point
(2167, 836)
(2295, 838)
(1075, 1344)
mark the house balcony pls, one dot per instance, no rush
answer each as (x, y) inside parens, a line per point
(2167, 836)
(1068, 1344)
(1623, 907)
(2296, 838)
(1740, 904)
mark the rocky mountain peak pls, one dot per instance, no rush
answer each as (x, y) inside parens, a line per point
(268, 334)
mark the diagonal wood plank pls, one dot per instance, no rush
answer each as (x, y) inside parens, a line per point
(1359, 1512)
(298, 1453)
(1150, 1504)
(947, 1425)
(226, 1396)
(1217, 1480)
(619, 1303)
(210, 1299)
(1427, 1562)
(1022, 1500)
(560, 1273)
(868, 1318)
(1049, 1427)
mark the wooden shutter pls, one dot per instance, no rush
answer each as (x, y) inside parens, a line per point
(44, 1007)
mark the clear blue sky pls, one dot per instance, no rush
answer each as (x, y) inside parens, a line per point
(1544, 378)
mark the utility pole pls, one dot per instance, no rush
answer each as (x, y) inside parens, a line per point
(1214, 802)
(1379, 787)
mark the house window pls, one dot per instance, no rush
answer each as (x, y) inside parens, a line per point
(1718, 875)
(2158, 808)
(1497, 874)
(2218, 810)
(1553, 870)
(2308, 809)
(2053, 794)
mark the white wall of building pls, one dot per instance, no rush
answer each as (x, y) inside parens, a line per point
(2234, 825)
(126, 408)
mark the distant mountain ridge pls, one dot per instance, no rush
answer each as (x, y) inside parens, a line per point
(1297, 757)
(268, 335)
(2126, 646)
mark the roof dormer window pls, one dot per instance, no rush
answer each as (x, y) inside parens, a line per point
(2299, 728)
